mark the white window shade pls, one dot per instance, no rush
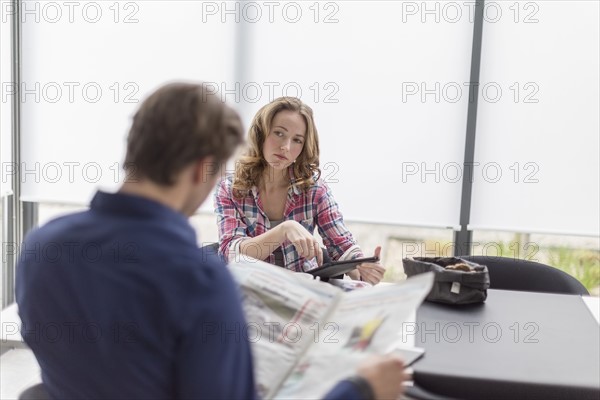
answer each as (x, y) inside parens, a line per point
(83, 81)
(365, 75)
(542, 132)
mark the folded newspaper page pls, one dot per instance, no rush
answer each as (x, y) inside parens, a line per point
(307, 335)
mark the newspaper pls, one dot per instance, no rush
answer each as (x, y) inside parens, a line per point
(307, 335)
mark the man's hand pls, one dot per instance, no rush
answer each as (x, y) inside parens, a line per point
(372, 272)
(385, 374)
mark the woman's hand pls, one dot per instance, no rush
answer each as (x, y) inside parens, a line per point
(372, 272)
(305, 243)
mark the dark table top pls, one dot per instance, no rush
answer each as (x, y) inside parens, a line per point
(515, 345)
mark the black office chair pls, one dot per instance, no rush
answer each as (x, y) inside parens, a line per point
(211, 248)
(35, 392)
(527, 276)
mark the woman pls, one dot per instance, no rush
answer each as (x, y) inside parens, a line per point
(269, 207)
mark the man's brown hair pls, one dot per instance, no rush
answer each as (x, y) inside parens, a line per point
(176, 125)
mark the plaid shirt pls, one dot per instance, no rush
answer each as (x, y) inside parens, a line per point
(241, 218)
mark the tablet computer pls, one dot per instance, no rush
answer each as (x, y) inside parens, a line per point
(335, 268)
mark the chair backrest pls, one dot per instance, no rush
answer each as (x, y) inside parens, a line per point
(528, 276)
(212, 248)
(35, 392)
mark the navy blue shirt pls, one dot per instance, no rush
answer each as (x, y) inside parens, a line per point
(118, 302)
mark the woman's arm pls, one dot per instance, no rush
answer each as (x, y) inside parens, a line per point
(231, 225)
(234, 240)
(337, 238)
(261, 246)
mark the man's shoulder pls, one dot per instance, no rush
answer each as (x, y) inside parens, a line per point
(202, 278)
(202, 266)
(59, 227)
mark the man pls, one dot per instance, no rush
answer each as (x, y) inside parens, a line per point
(115, 301)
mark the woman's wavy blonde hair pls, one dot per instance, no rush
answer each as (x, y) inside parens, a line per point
(252, 163)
